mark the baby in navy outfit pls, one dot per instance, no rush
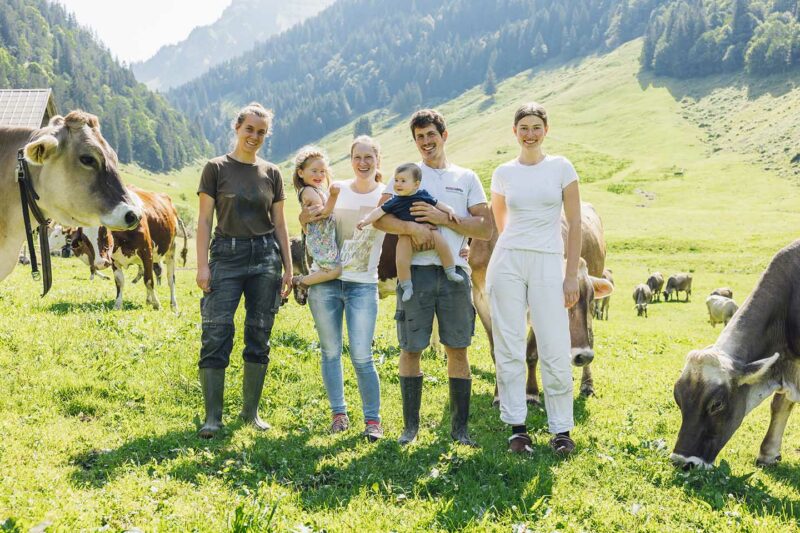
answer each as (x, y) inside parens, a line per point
(407, 179)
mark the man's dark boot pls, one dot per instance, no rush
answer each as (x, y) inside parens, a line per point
(252, 385)
(411, 392)
(212, 381)
(460, 393)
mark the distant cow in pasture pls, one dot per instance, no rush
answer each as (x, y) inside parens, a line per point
(146, 246)
(74, 173)
(641, 297)
(656, 283)
(592, 285)
(720, 309)
(756, 354)
(601, 305)
(677, 283)
(722, 291)
(57, 239)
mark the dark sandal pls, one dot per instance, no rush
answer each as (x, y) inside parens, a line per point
(520, 443)
(562, 445)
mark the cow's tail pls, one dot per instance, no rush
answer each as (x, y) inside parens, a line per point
(185, 250)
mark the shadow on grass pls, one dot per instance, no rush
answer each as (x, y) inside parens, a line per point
(66, 308)
(719, 485)
(756, 86)
(328, 475)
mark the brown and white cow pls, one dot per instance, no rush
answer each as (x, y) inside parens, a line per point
(74, 172)
(756, 355)
(641, 297)
(593, 255)
(677, 283)
(656, 283)
(145, 246)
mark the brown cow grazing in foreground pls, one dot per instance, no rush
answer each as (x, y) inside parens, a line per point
(722, 291)
(677, 283)
(656, 283)
(720, 309)
(757, 354)
(74, 172)
(145, 246)
(641, 297)
(593, 255)
(601, 305)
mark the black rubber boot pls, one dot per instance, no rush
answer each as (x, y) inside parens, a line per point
(411, 392)
(212, 381)
(252, 385)
(460, 393)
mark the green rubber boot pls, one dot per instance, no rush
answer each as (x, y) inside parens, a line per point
(252, 385)
(212, 381)
(411, 393)
(460, 393)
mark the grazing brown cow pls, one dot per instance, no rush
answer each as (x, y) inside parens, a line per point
(756, 354)
(677, 283)
(656, 283)
(641, 297)
(74, 172)
(601, 305)
(722, 291)
(145, 246)
(593, 255)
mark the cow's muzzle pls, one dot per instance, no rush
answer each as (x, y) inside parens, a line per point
(582, 356)
(687, 463)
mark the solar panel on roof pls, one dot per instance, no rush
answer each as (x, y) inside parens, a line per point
(23, 107)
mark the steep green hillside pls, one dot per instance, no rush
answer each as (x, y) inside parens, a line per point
(641, 145)
(716, 150)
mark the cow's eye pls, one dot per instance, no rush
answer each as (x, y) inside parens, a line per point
(715, 406)
(88, 160)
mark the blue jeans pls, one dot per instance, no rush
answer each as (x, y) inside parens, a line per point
(249, 267)
(330, 302)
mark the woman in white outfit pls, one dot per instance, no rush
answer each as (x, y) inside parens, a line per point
(527, 275)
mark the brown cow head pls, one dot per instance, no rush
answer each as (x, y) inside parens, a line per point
(714, 393)
(580, 317)
(75, 174)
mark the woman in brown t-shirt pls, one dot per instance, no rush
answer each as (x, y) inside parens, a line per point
(250, 245)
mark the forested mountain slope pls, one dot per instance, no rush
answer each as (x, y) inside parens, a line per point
(43, 46)
(243, 24)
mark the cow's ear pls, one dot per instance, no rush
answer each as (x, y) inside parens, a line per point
(755, 371)
(36, 152)
(602, 287)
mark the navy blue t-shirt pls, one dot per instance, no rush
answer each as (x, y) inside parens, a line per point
(400, 206)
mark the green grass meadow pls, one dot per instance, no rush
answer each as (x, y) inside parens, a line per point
(99, 408)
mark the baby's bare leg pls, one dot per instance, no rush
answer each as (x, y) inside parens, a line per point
(403, 253)
(448, 263)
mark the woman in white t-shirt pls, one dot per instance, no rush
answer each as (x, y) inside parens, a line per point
(354, 294)
(526, 277)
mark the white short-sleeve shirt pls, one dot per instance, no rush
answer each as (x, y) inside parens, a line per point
(359, 251)
(458, 187)
(534, 200)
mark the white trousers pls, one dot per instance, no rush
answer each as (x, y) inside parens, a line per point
(518, 282)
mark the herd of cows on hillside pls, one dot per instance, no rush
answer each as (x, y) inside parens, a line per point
(74, 172)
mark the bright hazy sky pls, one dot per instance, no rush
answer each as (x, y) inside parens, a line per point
(135, 29)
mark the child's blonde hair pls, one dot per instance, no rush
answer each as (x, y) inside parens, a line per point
(304, 155)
